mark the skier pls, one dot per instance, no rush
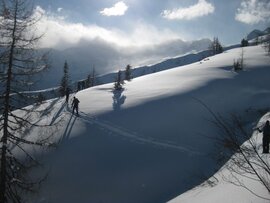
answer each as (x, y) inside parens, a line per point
(266, 137)
(75, 105)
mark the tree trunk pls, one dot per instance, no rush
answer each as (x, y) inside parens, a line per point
(3, 175)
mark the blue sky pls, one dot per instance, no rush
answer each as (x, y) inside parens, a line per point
(142, 22)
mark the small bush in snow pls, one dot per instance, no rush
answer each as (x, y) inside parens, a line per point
(237, 65)
(40, 98)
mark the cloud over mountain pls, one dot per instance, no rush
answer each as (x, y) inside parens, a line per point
(61, 33)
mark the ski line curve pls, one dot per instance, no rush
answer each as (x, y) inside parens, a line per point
(125, 133)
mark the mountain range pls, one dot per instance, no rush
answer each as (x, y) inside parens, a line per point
(105, 58)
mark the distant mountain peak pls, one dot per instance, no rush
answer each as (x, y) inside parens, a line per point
(267, 30)
(257, 33)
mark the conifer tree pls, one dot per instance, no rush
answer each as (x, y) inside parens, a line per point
(244, 43)
(267, 45)
(118, 84)
(65, 80)
(91, 78)
(216, 47)
(128, 71)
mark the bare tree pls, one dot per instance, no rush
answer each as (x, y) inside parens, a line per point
(18, 61)
(236, 144)
(238, 64)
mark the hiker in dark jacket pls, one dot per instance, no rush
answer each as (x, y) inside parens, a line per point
(75, 105)
(266, 136)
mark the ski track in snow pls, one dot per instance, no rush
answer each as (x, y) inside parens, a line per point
(120, 131)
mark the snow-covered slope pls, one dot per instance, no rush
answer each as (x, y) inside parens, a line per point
(149, 142)
(164, 64)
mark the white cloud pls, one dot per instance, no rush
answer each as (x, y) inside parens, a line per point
(62, 34)
(118, 9)
(202, 8)
(253, 11)
(59, 9)
(39, 12)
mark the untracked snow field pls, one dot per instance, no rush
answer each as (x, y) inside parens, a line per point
(150, 142)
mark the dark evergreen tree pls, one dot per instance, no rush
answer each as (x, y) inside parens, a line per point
(91, 78)
(244, 43)
(65, 82)
(257, 40)
(40, 98)
(216, 47)
(267, 46)
(128, 73)
(118, 84)
(88, 80)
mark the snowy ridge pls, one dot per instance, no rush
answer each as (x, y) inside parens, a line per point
(107, 57)
(257, 33)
